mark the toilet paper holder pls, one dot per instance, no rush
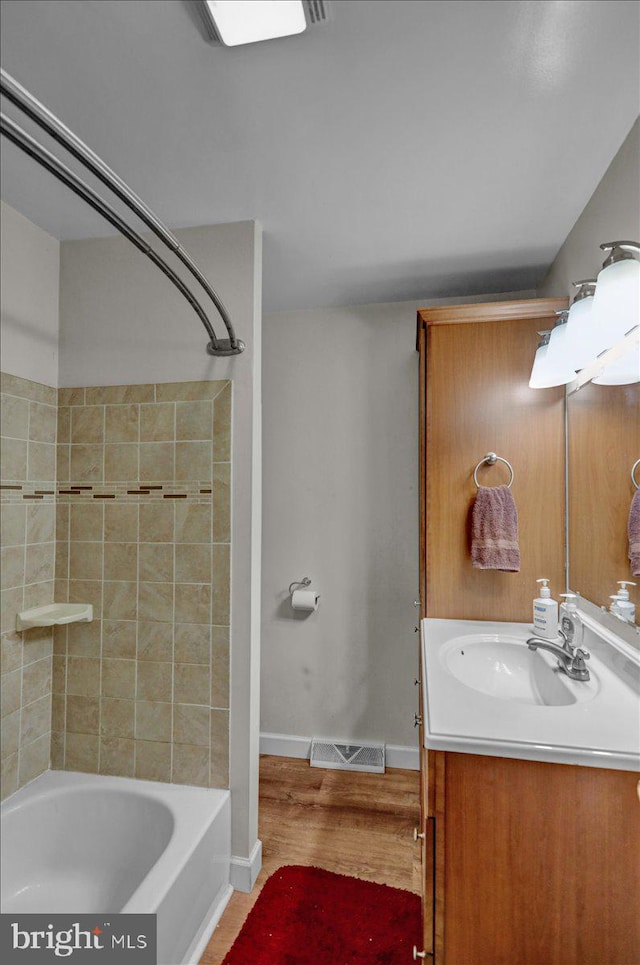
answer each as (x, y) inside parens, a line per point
(305, 581)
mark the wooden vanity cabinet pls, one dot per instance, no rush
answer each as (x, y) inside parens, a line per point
(533, 863)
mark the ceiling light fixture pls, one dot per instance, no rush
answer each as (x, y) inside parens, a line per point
(236, 22)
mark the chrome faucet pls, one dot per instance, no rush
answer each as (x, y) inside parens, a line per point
(570, 661)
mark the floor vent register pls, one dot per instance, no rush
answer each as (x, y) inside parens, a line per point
(348, 757)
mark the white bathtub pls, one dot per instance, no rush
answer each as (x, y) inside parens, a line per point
(81, 843)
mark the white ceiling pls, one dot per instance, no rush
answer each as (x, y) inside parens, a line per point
(404, 149)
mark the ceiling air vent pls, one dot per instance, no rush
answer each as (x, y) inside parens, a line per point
(316, 10)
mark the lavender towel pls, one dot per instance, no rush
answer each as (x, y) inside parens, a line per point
(494, 530)
(634, 533)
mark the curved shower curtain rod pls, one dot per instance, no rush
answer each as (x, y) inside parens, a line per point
(28, 104)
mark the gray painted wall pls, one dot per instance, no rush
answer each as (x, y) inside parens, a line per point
(122, 322)
(30, 263)
(340, 504)
(612, 214)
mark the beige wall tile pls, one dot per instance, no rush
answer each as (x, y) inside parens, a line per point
(154, 680)
(193, 461)
(155, 562)
(39, 562)
(83, 715)
(36, 391)
(119, 678)
(36, 680)
(119, 638)
(120, 561)
(155, 641)
(87, 591)
(222, 426)
(157, 422)
(153, 721)
(34, 759)
(219, 748)
(220, 667)
(59, 679)
(86, 521)
(43, 421)
(87, 424)
(57, 750)
(191, 724)
(192, 603)
(157, 461)
(120, 523)
(190, 765)
(83, 639)
(83, 676)
(117, 756)
(12, 566)
(193, 563)
(156, 523)
(117, 717)
(220, 588)
(193, 523)
(37, 594)
(37, 644)
(12, 524)
(192, 643)
(10, 735)
(153, 761)
(58, 712)
(191, 684)
(63, 433)
(194, 420)
(121, 461)
(85, 560)
(155, 602)
(41, 461)
(14, 417)
(221, 500)
(41, 523)
(119, 394)
(35, 720)
(10, 652)
(62, 518)
(63, 464)
(81, 752)
(71, 396)
(187, 391)
(9, 776)
(13, 459)
(62, 561)
(87, 463)
(121, 424)
(11, 604)
(120, 601)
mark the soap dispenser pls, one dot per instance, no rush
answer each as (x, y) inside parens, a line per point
(545, 613)
(570, 620)
(622, 606)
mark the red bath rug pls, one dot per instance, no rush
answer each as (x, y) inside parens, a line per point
(307, 916)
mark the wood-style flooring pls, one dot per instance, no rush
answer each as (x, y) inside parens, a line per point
(345, 821)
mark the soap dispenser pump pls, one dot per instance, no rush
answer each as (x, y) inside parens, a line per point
(545, 613)
(622, 606)
(570, 620)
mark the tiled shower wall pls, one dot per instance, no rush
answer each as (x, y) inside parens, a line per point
(140, 510)
(143, 533)
(27, 514)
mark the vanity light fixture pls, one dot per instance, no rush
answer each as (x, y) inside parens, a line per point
(625, 369)
(236, 22)
(616, 303)
(583, 342)
(538, 372)
(552, 364)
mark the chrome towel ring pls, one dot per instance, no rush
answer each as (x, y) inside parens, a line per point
(491, 459)
(633, 473)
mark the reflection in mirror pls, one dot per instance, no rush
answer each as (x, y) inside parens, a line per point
(603, 426)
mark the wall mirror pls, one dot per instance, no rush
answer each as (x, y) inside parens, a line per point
(603, 443)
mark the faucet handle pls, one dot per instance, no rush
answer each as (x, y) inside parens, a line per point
(579, 658)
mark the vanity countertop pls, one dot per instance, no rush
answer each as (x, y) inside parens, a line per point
(483, 695)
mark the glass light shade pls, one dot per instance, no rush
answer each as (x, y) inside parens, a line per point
(616, 303)
(558, 361)
(249, 21)
(623, 371)
(545, 373)
(584, 342)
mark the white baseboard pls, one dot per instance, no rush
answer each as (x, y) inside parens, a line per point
(244, 871)
(207, 928)
(289, 745)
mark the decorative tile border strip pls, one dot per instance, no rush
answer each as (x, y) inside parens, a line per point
(132, 491)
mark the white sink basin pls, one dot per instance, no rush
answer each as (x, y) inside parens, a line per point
(502, 666)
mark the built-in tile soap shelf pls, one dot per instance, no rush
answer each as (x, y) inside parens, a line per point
(54, 614)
